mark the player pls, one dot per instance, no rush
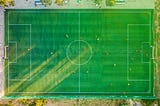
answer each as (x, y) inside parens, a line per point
(67, 36)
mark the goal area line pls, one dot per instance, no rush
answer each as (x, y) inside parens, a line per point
(149, 63)
(15, 62)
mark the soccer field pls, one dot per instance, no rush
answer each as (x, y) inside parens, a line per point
(79, 52)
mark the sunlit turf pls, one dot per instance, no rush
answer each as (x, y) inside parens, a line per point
(79, 52)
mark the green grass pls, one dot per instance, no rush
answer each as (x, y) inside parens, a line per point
(79, 52)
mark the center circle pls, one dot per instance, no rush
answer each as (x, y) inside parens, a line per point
(79, 52)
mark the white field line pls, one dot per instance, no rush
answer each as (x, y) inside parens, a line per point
(128, 54)
(8, 55)
(142, 61)
(79, 52)
(87, 92)
(13, 42)
(30, 51)
(30, 27)
(87, 13)
(19, 24)
(55, 12)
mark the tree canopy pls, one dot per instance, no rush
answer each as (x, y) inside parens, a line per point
(47, 2)
(98, 2)
(110, 2)
(6, 3)
(59, 2)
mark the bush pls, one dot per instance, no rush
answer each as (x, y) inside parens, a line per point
(59, 2)
(6, 3)
(97, 2)
(47, 2)
(110, 2)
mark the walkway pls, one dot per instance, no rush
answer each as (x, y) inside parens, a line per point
(1, 52)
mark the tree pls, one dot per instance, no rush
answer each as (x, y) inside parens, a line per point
(110, 2)
(6, 3)
(47, 2)
(59, 2)
(98, 2)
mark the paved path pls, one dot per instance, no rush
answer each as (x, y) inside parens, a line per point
(86, 4)
(1, 52)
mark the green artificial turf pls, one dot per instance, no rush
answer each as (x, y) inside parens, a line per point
(79, 52)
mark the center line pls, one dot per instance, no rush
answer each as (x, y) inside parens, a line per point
(79, 50)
